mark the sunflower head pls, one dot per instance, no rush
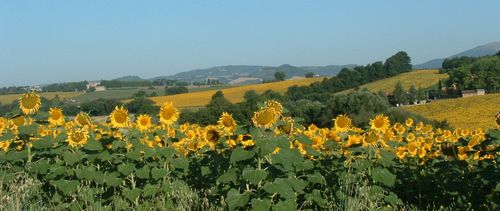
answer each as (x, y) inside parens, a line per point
(265, 118)
(119, 117)
(227, 122)
(83, 119)
(288, 125)
(77, 137)
(380, 123)
(30, 103)
(342, 123)
(168, 113)
(56, 116)
(211, 134)
(3, 124)
(278, 108)
(143, 122)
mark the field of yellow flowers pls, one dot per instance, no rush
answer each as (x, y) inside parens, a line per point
(276, 163)
(233, 94)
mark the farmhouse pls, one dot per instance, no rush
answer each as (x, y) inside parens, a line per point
(470, 93)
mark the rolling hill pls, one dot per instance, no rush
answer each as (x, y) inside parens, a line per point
(234, 94)
(422, 78)
(482, 50)
(471, 112)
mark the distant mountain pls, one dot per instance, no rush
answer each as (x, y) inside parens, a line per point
(482, 50)
(129, 78)
(233, 73)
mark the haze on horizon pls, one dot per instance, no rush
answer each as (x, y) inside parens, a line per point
(44, 42)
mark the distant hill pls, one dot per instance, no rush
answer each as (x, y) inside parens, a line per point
(234, 72)
(129, 78)
(482, 50)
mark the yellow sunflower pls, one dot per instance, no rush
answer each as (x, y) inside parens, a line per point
(380, 123)
(83, 119)
(409, 122)
(168, 113)
(342, 123)
(265, 118)
(211, 134)
(227, 122)
(29, 103)
(119, 117)
(56, 116)
(77, 137)
(4, 145)
(3, 124)
(143, 122)
(288, 125)
(278, 108)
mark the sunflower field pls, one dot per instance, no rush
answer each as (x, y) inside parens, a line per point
(274, 164)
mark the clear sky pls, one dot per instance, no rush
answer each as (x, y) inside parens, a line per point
(55, 41)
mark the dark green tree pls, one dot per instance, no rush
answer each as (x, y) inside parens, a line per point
(412, 94)
(399, 94)
(309, 75)
(279, 76)
(398, 63)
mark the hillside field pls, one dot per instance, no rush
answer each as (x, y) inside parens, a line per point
(6, 99)
(422, 78)
(471, 112)
(234, 94)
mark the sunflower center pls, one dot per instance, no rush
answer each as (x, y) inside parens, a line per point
(212, 135)
(379, 123)
(342, 123)
(144, 121)
(29, 102)
(167, 113)
(265, 117)
(120, 117)
(227, 122)
(56, 115)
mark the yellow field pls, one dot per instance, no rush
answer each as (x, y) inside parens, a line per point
(423, 78)
(6, 99)
(234, 94)
(471, 112)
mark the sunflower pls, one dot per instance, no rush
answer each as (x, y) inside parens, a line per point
(83, 119)
(77, 137)
(227, 122)
(278, 108)
(168, 113)
(4, 145)
(211, 134)
(19, 120)
(409, 122)
(288, 125)
(3, 124)
(353, 140)
(265, 118)
(56, 116)
(342, 123)
(498, 119)
(119, 117)
(29, 103)
(380, 123)
(143, 122)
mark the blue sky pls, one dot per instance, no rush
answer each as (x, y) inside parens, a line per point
(55, 41)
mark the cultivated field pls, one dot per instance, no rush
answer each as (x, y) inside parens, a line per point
(422, 78)
(471, 112)
(234, 94)
(6, 99)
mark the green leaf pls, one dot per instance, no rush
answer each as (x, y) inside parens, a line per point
(131, 195)
(383, 176)
(133, 155)
(281, 187)
(297, 184)
(304, 140)
(393, 199)
(254, 176)
(387, 158)
(143, 173)
(28, 129)
(235, 199)
(316, 179)
(286, 205)
(205, 170)
(239, 154)
(150, 190)
(71, 158)
(67, 187)
(318, 199)
(304, 166)
(117, 144)
(112, 180)
(126, 168)
(261, 204)
(497, 188)
(44, 143)
(229, 176)
(93, 145)
(40, 167)
(157, 173)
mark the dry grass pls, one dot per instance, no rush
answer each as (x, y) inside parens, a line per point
(471, 112)
(7, 99)
(234, 94)
(422, 78)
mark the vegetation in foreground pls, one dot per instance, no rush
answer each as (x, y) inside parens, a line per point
(275, 163)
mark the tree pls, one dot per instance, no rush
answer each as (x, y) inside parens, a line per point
(399, 94)
(309, 75)
(398, 63)
(498, 53)
(412, 94)
(420, 94)
(279, 75)
(142, 105)
(440, 89)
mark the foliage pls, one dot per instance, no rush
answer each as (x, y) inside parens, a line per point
(279, 76)
(100, 106)
(66, 87)
(474, 73)
(175, 90)
(285, 166)
(119, 84)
